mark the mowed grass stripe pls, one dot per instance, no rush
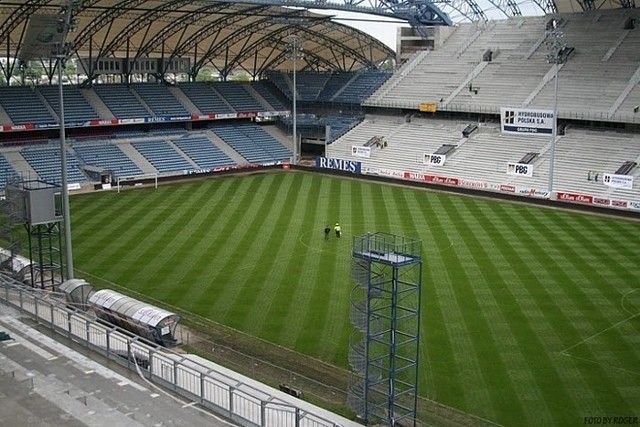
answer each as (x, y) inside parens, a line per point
(261, 245)
(529, 308)
(290, 295)
(229, 251)
(547, 307)
(433, 339)
(201, 288)
(553, 327)
(333, 292)
(459, 321)
(598, 305)
(438, 302)
(612, 347)
(499, 344)
(91, 209)
(565, 271)
(116, 232)
(196, 243)
(314, 272)
(240, 249)
(480, 311)
(605, 250)
(404, 207)
(169, 247)
(273, 255)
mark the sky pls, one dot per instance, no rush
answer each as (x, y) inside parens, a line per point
(370, 24)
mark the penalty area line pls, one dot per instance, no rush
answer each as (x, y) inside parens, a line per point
(598, 334)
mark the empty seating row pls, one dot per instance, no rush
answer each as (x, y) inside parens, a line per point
(160, 100)
(162, 156)
(46, 162)
(6, 170)
(202, 151)
(236, 95)
(76, 107)
(343, 87)
(120, 101)
(254, 151)
(266, 90)
(108, 156)
(205, 98)
(24, 105)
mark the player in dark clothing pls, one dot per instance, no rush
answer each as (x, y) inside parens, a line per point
(327, 232)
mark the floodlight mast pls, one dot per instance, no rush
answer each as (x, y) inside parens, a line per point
(61, 55)
(294, 56)
(555, 56)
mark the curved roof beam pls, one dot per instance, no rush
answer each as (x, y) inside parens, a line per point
(179, 25)
(103, 19)
(140, 23)
(508, 7)
(547, 6)
(278, 38)
(215, 27)
(245, 33)
(18, 16)
(307, 34)
(468, 9)
(421, 12)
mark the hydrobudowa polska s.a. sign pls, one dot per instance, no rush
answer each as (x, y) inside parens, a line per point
(522, 122)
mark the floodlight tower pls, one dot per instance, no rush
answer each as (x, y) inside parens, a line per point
(295, 53)
(558, 57)
(66, 23)
(385, 311)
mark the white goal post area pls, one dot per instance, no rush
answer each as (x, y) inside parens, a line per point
(137, 179)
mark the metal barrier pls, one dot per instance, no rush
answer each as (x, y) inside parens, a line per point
(223, 394)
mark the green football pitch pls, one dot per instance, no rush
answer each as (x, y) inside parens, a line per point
(530, 316)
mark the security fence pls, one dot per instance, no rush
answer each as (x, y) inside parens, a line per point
(223, 394)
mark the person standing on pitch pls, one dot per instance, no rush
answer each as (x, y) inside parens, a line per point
(327, 232)
(337, 229)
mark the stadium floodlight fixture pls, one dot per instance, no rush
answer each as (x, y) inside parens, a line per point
(67, 24)
(557, 56)
(295, 54)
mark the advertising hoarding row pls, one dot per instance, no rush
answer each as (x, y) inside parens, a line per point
(525, 191)
(139, 120)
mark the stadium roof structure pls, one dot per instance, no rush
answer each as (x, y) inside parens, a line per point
(252, 35)
(223, 34)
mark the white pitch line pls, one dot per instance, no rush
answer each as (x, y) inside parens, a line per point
(599, 333)
(597, 362)
(626, 295)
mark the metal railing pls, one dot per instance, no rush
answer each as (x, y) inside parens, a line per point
(215, 390)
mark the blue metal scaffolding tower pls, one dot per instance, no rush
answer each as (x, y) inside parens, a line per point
(385, 311)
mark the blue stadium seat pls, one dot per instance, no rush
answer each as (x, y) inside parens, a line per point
(108, 156)
(121, 101)
(207, 100)
(162, 156)
(265, 90)
(76, 107)
(252, 142)
(238, 97)
(202, 151)
(46, 162)
(6, 170)
(361, 87)
(24, 105)
(160, 100)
